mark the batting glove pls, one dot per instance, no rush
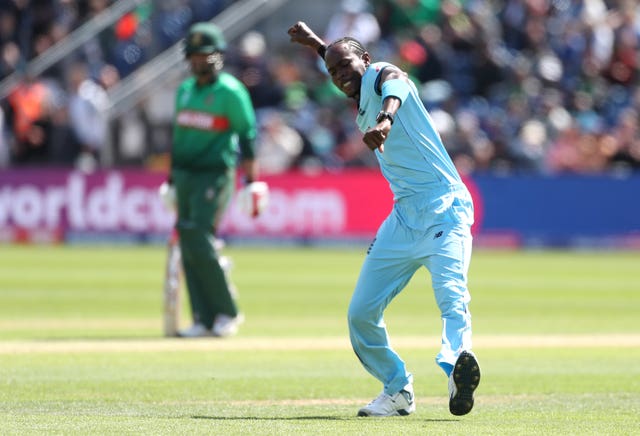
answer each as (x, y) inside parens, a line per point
(253, 198)
(167, 193)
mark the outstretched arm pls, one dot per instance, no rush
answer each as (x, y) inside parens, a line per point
(302, 34)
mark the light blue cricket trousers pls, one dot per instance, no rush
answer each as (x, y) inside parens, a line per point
(393, 258)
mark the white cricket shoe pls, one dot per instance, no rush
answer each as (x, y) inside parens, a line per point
(226, 325)
(399, 404)
(464, 379)
(195, 331)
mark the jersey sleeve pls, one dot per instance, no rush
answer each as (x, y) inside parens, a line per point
(243, 122)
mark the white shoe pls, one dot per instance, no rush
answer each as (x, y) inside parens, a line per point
(401, 403)
(195, 331)
(226, 325)
(464, 379)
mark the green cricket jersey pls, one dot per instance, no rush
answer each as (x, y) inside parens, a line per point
(212, 122)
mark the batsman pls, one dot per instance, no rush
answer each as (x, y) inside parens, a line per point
(214, 131)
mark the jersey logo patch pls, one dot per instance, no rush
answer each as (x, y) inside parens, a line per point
(202, 121)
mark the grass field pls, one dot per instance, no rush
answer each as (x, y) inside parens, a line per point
(557, 335)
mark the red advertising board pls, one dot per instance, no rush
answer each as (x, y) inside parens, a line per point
(34, 203)
(53, 205)
(56, 202)
(327, 205)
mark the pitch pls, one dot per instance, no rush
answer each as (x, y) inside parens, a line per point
(82, 352)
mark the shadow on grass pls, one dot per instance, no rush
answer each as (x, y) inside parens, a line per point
(299, 418)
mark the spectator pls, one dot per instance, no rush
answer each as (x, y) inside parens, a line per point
(28, 114)
(278, 145)
(4, 143)
(354, 19)
(87, 105)
(253, 69)
(405, 17)
(10, 53)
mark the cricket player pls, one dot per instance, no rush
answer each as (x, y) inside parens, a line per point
(214, 119)
(430, 226)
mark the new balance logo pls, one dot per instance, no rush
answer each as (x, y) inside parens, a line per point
(437, 235)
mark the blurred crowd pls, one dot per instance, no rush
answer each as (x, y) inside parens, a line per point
(535, 86)
(58, 117)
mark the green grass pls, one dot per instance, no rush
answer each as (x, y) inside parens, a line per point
(81, 352)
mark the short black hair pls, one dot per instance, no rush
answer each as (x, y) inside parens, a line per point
(354, 45)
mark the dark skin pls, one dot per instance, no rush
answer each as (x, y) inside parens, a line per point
(202, 69)
(346, 68)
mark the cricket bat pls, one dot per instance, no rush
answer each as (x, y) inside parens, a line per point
(172, 287)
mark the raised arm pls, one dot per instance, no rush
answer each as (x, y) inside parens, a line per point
(302, 34)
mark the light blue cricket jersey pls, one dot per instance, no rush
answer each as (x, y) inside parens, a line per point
(421, 175)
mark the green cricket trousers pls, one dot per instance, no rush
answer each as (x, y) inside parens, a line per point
(202, 198)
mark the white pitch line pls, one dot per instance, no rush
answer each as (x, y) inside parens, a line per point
(305, 343)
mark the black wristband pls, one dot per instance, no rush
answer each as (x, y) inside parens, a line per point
(322, 50)
(382, 115)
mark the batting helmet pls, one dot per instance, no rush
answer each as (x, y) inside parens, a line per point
(204, 38)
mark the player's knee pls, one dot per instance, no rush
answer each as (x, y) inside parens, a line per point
(359, 316)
